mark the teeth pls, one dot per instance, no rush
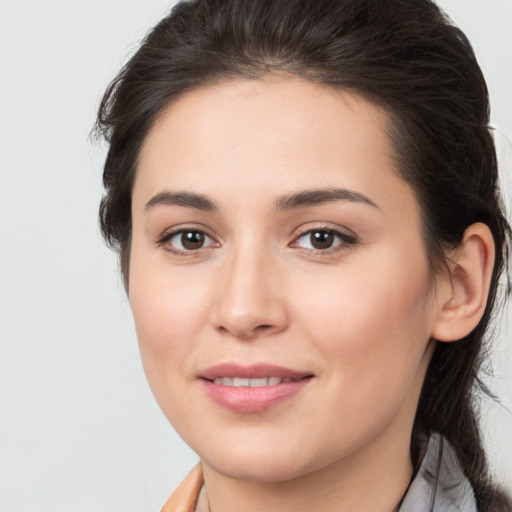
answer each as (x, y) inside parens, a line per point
(239, 382)
(256, 383)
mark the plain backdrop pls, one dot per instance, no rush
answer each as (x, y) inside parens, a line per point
(79, 428)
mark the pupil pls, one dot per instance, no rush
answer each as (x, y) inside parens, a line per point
(322, 239)
(192, 240)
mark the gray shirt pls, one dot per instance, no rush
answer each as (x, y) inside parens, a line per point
(440, 485)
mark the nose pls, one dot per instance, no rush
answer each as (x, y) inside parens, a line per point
(251, 300)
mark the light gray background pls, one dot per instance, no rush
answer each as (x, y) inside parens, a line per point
(79, 429)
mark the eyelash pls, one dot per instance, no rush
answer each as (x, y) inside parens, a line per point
(345, 241)
(167, 237)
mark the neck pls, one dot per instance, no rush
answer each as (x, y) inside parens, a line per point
(375, 478)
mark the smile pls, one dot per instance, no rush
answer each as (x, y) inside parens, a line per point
(253, 388)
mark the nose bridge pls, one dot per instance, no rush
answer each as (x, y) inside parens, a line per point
(249, 300)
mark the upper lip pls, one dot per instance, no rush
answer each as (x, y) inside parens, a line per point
(253, 371)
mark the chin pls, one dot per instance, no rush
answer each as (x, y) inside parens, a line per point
(264, 462)
(258, 469)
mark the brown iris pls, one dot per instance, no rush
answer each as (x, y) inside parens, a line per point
(191, 240)
(322, 239)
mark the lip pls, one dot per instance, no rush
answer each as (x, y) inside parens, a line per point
(252, 399)
(253, 371)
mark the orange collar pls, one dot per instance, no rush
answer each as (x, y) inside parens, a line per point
(184, 498)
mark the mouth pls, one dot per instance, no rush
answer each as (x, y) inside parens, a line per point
(252, 388)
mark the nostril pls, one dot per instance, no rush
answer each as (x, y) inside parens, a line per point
(248, 333)
(263, 327)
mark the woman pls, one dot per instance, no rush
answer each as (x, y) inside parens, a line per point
(304, 198)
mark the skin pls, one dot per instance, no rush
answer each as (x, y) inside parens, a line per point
(359, 316)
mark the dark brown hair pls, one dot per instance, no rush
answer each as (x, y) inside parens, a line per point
(405, 56)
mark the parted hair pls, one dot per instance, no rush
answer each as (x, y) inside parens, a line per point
(405, 56)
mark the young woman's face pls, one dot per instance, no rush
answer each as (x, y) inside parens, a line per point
(278, 278)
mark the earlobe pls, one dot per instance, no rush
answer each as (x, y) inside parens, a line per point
(462, 295)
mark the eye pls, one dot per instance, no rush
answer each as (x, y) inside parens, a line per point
(186, 241)
(323, 239)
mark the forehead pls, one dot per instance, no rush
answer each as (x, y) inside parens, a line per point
(267, 135)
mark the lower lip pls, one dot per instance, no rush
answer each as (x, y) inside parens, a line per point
(247, 399)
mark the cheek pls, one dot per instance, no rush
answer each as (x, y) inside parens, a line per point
(374, 325)
(169, 311)
(373, 334)
(168, 323)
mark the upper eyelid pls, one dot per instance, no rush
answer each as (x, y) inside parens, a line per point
(344, 237)
(307, 228)
(347, 237)
(173, 231)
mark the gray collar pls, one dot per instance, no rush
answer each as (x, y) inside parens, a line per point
(440, 484)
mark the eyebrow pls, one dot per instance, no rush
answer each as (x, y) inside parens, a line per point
(186, 199)
(315, 197)
(302, 199)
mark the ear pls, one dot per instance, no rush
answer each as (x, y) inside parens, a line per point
(462, 294)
